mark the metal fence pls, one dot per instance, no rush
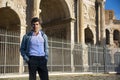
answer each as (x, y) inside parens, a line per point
(9, 51)
(63, 56)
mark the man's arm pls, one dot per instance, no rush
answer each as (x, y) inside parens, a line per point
(23, 48)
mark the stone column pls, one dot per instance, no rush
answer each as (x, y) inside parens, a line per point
(99, 32)
(36, 8)
(72, 44)
(102, 23)
(78, 21)
(81, 26)
(82, 37)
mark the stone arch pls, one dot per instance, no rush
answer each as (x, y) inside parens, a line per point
(89, 36)
(9, 38)
(9, 21)
(55, 25)
(107, 36)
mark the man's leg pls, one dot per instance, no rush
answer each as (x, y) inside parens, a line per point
(32, 69)
(43, 71)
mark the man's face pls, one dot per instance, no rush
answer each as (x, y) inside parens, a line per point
(36, 26)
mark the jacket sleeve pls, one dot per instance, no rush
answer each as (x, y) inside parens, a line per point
(46, 47)
(23, 48)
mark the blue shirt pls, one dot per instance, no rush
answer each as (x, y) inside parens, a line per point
(37, 45)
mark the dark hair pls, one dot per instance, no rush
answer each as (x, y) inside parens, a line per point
(35, 19)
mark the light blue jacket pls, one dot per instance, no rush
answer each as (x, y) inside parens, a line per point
(25, 45)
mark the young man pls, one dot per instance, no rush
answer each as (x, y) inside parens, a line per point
(34, 50)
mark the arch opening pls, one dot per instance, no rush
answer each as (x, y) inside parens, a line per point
(55, 25)
(107, 37)
(116, 37)
(88, 36)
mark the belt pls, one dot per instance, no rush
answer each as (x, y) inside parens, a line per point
(36, 56)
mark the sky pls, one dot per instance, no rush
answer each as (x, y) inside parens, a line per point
(115, 6)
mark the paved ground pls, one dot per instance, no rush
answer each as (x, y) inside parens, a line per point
(78, 77)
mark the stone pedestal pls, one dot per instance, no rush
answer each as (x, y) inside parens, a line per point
(85, 58)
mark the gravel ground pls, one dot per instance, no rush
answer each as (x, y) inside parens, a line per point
(87, 77)
(78, 77)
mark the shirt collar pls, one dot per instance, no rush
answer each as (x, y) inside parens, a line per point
(38, 33)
